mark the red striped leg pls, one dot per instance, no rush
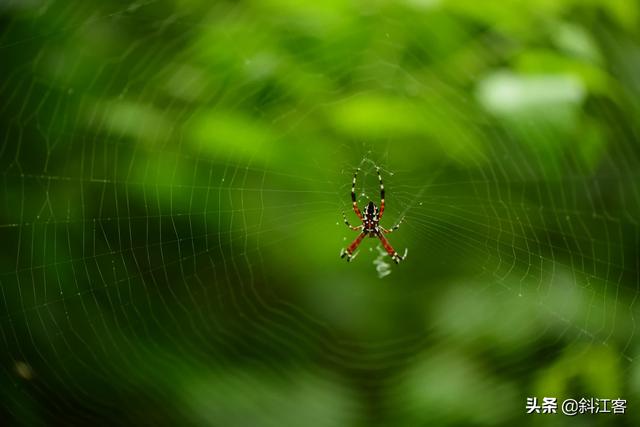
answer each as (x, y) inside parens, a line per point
(392, 252)
(352, 247)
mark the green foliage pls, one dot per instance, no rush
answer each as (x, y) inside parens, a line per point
(173, 177)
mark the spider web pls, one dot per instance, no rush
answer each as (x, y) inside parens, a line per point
(173, 178)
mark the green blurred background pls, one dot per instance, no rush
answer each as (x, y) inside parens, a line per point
(172, 180)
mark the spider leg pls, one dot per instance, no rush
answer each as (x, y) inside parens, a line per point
(387, 246)
(381, 194)
(353, 195)
(352, 247)
(394, 228)
(349, 225)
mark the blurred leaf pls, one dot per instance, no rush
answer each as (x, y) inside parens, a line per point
(229, 135)
(445, 387)
(582, 371)
(531, 97)
(245, 398)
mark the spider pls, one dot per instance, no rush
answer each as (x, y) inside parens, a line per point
(370, 223)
